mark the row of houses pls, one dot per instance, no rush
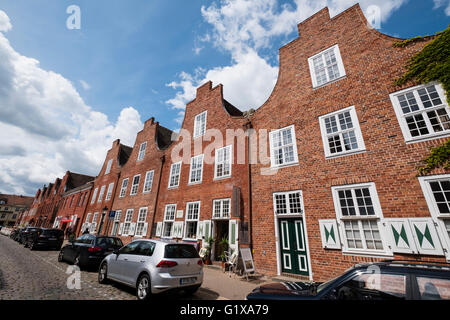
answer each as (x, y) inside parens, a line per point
(322, 176)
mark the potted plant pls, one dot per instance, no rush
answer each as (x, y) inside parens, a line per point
(224, 248)
(209, 244)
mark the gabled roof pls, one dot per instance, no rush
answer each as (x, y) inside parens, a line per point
(163, 137)
(75, 180)
(124, 154)
(232, 110)
(15, 200)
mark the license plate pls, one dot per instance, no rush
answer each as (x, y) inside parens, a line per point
(188, 280)
(51, 239)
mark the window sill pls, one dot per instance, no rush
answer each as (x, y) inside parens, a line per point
(343, 154)
(221, 178)
(146, 192)
(370, 254)
(284, 166)
(428, 138)
(173, 187)
(194, 183)
(329, 82)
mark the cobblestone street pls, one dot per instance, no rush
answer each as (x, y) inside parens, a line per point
(37, 275)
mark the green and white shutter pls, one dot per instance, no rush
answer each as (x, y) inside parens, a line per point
(400, 236)
(200, 229)
(233, 235)
(206, 230)
(132, 229)
(144, 230)
(120, 229)
(177, 231)
(330, 234)
(158, 229)
(427, 240)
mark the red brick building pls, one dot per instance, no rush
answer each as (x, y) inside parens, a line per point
(204, 189)
(136, 195)
(341, 186)
(104, 189)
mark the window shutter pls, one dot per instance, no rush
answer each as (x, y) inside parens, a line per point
(120, 229)
(93, 227)
(158, 229)
(233, 235)
(236, 202)
(200, 230)
(330, 234)
(144, 229)
(207, 228)
(400, 237)
(243, 233)
(178, 229)
(132, 229)
(172, 230)
(425, 236)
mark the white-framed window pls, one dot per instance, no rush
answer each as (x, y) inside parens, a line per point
(422, 112)
(127, 222)
(436, 190)
(169, 219)
(135, 185)
(108, 166)
(142, 217)
(341, 133)
(109, 192)
(174, 178)
(123, 189)
(102, 192)
(88, 217)
(142, 149)
(326, 66)
(283, 147)
(148, 181)
(222, 164)
(359, 216)
(94, 195)
(116, 224)
(200, 124)
(288, 203)
(221, 208)
(192, 216)
(94, 219)
(196, 171)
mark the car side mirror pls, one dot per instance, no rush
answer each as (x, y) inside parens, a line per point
(116, 252)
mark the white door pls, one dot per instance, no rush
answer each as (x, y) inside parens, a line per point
(233, 235)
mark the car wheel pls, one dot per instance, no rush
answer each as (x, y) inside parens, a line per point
(192, 290)
(103, 273)
(143, 289)
(61, 256)
(25, 244)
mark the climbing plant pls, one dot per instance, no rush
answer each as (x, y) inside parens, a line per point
(439, 156)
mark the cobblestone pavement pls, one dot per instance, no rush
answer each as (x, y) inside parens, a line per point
(37, 275)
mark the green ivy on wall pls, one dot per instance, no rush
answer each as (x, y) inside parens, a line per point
(439, 156)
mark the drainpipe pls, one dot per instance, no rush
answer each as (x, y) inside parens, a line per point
(163, 159)
(248, 126)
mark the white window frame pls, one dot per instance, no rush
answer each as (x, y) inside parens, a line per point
(401, 117)
(142, 149)
(288, 206)
(200, 156)
(123, 189)
(437, 216)
(135, 186)
(340, 66)
(197, 132)
(378, 217)
(108, 166)
(148, 181)
(294, 146)
(221, 215)
(171, 175)
(102, 192)
(94, 195)
(225, 149)
(116, 223)
(127, 221)
(142, 218)
(191, 220)
(356, 128)
(109, 192)
(168, 219)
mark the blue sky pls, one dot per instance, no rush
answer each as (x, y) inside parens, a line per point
(150, 56)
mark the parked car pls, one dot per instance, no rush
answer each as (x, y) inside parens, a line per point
(388, 280)
(44, 239)
(15, 234)
(153, 266)
(23, 233)
(89, 250)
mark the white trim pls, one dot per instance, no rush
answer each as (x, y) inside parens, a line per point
(109, 191)
(171, 175)
(288, 208)
(284, 229)
(401, 117)
(187, 219)
(300, 257)
(294, 145)
(143, 221)
(221, 213)
(339, 62)
(108, 166)
(146, 181)
(230, 150)
(200, 156)
(284, 261)
(297, 235)
(123, 189)
(102, 192)
(142, 150)
(94, 195)
(135, 185)
(195, 135)
(356, 129)
(170, 236)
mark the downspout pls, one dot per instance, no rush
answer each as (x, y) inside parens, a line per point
(248, 126)
(163, 159)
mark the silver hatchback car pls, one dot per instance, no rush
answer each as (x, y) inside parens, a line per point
(153, 266)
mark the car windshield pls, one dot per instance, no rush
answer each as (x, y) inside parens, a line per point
(183, 251)
(109, 242)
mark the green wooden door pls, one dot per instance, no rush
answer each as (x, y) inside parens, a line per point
(294, 258)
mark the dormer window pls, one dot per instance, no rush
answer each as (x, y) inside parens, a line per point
(326, 66)
(142, 149)
(108, 167)
(200, 124)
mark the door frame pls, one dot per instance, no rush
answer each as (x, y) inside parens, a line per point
(277, 234)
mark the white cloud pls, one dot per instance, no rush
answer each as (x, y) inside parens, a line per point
(242, 28)
(85, 85)
(47, 128)
(443, 3)
(5, 24)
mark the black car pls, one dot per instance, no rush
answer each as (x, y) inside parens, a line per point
(23, 234)
(44, 239)
(89, 250)
(388, 280)
(15, 234)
